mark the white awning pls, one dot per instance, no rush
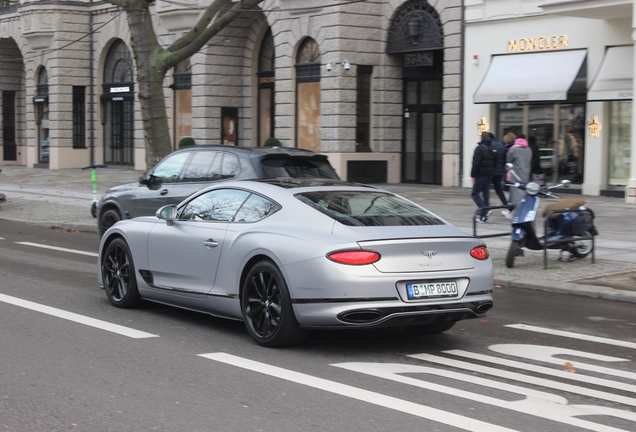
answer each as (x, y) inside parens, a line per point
(539, 76)
(615, 78)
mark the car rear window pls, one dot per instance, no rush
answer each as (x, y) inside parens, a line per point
(297, 167)
(360, 208)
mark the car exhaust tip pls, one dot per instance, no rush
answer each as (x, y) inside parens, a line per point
(484, 307)
(361, 316)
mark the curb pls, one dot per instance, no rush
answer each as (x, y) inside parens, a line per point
(560, 287)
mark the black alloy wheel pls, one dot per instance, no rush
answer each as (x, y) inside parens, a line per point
(108, 219)
(118, 275)
(267, 308)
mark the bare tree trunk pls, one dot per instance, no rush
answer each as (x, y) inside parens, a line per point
(150, 76)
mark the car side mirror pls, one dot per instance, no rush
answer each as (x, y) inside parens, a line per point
(144, 179)
(167, 213)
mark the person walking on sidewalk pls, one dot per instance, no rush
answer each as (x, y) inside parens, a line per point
(484, 161)
(500, 169)
(520, 156)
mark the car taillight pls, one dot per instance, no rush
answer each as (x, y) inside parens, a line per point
(480, 253)
(354, 257)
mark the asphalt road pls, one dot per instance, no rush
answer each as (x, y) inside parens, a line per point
(71, 362)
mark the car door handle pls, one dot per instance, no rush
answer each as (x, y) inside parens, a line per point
(164, 192)
(210, 243)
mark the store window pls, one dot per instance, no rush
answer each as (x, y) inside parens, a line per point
(559, 131)
(363, 108)
(266, 84)
(182, 87)
(620, 142)
(79, 117)
(308, 96)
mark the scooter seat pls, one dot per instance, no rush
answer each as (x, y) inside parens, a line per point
(570, 204)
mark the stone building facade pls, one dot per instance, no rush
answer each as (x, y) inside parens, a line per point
(375, 85)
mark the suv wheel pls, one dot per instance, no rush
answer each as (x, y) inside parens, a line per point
(108, 219)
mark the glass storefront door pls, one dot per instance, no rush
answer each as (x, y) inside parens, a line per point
(619, 157)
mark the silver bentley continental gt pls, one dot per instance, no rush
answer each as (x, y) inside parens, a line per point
(290, 255)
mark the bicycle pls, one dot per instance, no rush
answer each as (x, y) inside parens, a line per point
(94, 181)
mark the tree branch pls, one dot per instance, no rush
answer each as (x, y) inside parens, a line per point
(202, 24)
(214, 28)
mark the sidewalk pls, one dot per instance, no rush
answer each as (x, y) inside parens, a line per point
(62, 198)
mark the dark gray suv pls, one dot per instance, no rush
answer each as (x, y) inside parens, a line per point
(188, 170)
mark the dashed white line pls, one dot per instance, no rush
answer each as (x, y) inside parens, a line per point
(572, 335)
(81, 319)
(440, 416)
(79, 252)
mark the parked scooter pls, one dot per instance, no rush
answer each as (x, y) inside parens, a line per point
(569, 225)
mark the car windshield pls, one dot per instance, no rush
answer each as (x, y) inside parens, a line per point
(361, 208)
(297, 167)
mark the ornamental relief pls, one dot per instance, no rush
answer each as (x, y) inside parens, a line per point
(415, 27)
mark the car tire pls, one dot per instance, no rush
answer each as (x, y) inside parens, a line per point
(108, 219)
(431, 329)
(582, 248)
(513, 251)
(267, 308)
(118, 275)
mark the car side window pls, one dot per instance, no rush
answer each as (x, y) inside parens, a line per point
(231, 166)
(199, 167)
(256, 208)
(215, 205)
(169, 169)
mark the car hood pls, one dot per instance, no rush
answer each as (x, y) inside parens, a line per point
(122, 188)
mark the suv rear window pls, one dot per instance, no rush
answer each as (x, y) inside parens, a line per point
(360, 208)
(297, 167)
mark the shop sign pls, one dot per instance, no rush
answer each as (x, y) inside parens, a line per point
(119, 89)
(538, 44)
(595, 127)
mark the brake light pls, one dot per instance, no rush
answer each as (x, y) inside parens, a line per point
(480, 253)
(354, 257)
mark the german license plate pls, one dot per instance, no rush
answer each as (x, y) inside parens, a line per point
(431, 290)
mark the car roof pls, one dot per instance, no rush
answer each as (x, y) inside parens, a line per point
(291, 151)
(277, 186)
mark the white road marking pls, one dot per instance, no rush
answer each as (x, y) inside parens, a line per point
(473, 367)
(536, 403)
(548, 354)
(440, 416)
(572, 335)
(81, 319)
(561, 374)
(93, 254)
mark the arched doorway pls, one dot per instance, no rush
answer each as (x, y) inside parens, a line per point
(308, 96)
(266, 84)
(416, 35)
(118, 106)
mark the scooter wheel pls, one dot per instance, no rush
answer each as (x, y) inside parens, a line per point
(582, 248)
(515, 247)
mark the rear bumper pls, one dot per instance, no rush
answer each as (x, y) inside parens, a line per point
(395, 313)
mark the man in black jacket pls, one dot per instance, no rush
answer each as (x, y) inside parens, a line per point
(484, 162)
